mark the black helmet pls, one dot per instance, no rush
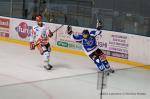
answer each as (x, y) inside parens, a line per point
(85, 32)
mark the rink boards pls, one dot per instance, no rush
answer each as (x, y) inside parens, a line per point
(22, 73)
(119, 47)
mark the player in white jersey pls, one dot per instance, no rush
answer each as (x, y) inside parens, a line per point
(40, 37)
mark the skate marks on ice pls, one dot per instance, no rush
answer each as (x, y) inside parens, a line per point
(83, 86)
(19, 62)
(69, 74)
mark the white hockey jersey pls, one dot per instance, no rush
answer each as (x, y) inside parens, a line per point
(40, 35)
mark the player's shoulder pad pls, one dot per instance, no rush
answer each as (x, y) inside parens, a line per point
(36, 26)
(46, 26)
(77, 36)
(93, 33)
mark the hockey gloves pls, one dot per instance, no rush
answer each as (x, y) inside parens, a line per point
(50, 34)
(99, 25)
(69, 29)
(32, 46)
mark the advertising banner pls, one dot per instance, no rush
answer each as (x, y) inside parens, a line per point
(4, 27)
(64, 40)
(114, 44)
(21, 29)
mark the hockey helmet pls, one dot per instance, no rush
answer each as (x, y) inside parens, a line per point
(39, 18)
(85, 33)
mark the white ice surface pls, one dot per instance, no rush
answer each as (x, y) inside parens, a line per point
(73, 77)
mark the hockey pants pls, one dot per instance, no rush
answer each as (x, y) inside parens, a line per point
(100, 60)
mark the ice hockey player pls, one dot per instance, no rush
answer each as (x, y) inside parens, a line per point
(39, 38)
(90, 47)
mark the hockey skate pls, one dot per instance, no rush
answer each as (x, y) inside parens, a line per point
(48, 67)
(108, 71)
(111, 70)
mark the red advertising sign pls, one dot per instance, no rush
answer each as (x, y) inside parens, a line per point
(23, 29)
(4, 23)
(4, 27)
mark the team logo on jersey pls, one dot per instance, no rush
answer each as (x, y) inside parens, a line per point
(90, 41)
(23, 29)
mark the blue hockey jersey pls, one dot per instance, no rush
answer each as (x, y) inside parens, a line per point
(89, 44)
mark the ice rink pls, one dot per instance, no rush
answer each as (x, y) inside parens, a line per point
(73, 77)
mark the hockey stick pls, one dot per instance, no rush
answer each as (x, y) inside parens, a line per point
(99, 21)
(101, 82)
(102, 86)
(58, 28)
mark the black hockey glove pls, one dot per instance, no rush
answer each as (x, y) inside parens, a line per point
(99, 25)
(69, 29)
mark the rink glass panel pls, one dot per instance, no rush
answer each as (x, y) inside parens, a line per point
(127, 16)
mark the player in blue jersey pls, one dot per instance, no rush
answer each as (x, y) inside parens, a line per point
(90, 47)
